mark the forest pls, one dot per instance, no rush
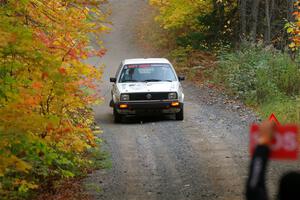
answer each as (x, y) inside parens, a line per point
(248, 47)
(203, 24)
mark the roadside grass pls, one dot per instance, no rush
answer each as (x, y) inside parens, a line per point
(93, 186)
(263, 78)
(101, 159)
(287, 111)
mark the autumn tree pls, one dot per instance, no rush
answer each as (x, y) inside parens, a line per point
(293, 27)
(199, 23)
(46, 89)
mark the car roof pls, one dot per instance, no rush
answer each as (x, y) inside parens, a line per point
(145, 61)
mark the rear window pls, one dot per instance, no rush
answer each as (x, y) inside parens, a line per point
(147, 73)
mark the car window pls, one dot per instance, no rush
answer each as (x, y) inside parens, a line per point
(147, 73)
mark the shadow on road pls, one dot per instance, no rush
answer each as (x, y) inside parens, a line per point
(145, 119)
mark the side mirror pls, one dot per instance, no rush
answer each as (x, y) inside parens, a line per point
(113, 80)
(181, 78)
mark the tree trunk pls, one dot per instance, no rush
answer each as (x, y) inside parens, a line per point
(243, 13)
(268, 23)
(254, 15)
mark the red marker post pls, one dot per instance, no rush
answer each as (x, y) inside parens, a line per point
(273, 118)
(285, 143)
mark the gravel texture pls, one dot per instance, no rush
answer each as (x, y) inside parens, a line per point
(205, 157)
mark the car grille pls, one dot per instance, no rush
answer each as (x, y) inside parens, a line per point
(149, 96)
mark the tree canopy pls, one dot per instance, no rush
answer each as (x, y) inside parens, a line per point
(203, 24)
(45, 89)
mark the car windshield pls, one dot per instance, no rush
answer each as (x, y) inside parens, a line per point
(147, 73)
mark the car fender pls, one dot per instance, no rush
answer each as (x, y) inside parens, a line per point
(182, 98)
(115, 94)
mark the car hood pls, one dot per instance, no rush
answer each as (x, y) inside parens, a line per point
(148, 87)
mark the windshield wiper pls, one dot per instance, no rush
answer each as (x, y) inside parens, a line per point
(157, 80)
(124, 81)
(152, 80)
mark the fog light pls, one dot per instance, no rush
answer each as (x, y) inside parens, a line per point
(123, 106)
(174, 104)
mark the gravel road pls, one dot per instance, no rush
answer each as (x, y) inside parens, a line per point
(205, 157)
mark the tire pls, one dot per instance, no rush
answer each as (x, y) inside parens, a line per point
(111, 103)
(180, 115)
(117, 117)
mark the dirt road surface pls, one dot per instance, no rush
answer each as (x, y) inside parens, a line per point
(205, 157)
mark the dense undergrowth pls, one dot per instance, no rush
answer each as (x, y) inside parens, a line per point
(261, 77)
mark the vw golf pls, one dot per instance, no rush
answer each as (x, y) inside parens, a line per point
(146, 87)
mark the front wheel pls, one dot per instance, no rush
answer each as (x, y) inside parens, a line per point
(180, 115)
(117, 117)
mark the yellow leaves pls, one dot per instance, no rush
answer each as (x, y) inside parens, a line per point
(9, 161)
(290, 29)
(24, 183)
(175, 14)
(293, 28)
(292, 45)
(46, 103)
(21, 165)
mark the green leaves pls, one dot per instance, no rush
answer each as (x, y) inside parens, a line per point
(46, 91)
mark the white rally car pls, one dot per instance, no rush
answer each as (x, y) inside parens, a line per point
(146, 87)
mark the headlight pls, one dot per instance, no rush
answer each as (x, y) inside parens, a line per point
(172, 95)
(125, 97)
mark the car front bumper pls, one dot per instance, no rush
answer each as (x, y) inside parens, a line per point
(148, 108)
